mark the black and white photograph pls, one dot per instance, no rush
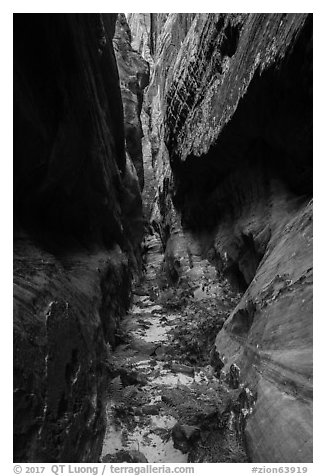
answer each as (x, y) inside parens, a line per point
(162, 240)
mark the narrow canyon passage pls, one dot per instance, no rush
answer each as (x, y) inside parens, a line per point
(163, 209)
(167, 402)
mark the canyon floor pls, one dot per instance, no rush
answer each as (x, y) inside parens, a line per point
(166, 402)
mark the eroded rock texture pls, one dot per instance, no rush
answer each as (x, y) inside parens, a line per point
(134, 77)
(78, 228)
(231, 132)
(144, 29)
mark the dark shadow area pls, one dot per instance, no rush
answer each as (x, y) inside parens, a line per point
(270, 132)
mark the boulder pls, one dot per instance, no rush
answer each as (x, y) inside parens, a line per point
(184, 436)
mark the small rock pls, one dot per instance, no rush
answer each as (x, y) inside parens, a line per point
(132, 377)
(143, 298)
(184, 436)
(153, 309)
(215, 360)
(185, 369)
(156, 351)
(209, 371)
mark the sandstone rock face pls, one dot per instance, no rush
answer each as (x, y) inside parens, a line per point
(145, 29)
(78, 229)
(141, 31)
(134, 77)
(231, 132)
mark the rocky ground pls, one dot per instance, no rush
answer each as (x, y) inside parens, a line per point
(167, 400)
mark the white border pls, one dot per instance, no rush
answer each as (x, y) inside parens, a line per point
(82, 6)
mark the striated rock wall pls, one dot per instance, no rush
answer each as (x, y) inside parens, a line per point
(141, 30)
(134, 77)
(231, 131)
(145, 30)
(78, 229)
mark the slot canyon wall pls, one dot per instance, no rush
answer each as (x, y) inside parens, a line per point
(78, 227)
(230, 125)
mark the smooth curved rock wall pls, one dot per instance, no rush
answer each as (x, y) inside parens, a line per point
(231, 133)
(77, 235)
